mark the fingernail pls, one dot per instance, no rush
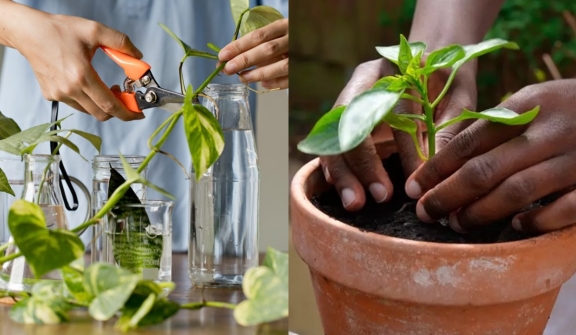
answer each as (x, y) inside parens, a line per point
(247, 76)
(421, 213)
(413, 189)
(224, 55)
(266, 84)
(454, 224)
(348, 197)
(517, 224)
(230, 68)
(378, 191)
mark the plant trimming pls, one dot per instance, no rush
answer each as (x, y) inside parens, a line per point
(106, 289)
(345, 127)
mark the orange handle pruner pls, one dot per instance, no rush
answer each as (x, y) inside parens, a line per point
(135, 71)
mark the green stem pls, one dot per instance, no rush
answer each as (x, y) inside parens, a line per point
(9, 257)
(411, 97)
(5, 246)
(209, 79)
(430, 129)
(448, 123)
(238, 24)
(182, 86)
(445, 89)
(215, 304)
(413, 116)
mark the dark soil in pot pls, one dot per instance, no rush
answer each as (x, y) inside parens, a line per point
(397, 218)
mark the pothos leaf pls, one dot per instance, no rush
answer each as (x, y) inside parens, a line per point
(8, 127)
(132, 316)
(259, 17)
(188, 50)
(39, 244)
(129, 227)
(5, 185)
(238, 7)
(363, 113)
(391, 53)
(73, 278)
(323, 139)
(46, 305)
(111, 286)
(204, 135)
(161, 310)
(266, 288)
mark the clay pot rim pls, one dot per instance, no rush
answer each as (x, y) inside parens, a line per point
(298, 194)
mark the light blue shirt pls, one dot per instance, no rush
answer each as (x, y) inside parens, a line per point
(196, 22)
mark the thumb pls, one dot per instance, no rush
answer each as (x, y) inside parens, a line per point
(116, 40)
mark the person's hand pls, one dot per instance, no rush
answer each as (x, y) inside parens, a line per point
(490, 171)
(362, 168)
(60, 49)
(266, 49)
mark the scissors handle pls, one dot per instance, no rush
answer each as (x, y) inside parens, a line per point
(134, 69)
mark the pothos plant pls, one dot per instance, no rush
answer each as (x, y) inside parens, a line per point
(107, 290)
(345, 127)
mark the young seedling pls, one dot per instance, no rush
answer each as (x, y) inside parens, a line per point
(105, 289)
(345, 127)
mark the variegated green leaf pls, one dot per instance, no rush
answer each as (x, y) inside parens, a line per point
(39, 244)
(259, 17)
(238, 7)
(204, 135)
(46, 305)
(266, 288)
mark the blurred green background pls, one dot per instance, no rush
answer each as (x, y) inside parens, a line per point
(328, 38)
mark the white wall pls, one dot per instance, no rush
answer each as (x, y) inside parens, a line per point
(272, 125)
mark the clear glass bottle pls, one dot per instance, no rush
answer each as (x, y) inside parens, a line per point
(224, 202)
(42, 187)
(100, 181)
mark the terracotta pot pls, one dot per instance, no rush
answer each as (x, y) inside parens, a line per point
(367, 283)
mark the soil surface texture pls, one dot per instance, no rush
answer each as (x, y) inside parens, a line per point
(397, 218)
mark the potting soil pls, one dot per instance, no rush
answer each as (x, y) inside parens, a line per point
(397, 218)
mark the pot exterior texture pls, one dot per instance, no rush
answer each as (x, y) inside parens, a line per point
(367, 283)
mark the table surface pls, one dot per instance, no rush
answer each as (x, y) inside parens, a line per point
(207, 321)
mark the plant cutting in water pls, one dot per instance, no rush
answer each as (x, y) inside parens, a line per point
(345, 127)
(105, 289)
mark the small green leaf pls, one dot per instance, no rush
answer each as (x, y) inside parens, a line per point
(412, 71)
(111, 286)
(259, 17)
(132, 316)
(8, 127)
(214, 47)
(39, 244)
(442, 58)
(161, 310)
(498, 115)
(45, 306)
(190, 52)
(266, 288)
(323, 139)
(5, 185)
(406, 125)
(391, 53)
(482, 48)
(363, 113)
(238, 7)
(73, 278)
(204, 135)
(404, 55)
(18, 143)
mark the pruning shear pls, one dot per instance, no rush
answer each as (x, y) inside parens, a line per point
(138, 75)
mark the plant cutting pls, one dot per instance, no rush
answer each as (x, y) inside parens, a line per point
(107, 290)
(381, 268)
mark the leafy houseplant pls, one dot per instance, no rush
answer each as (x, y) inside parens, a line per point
(105, 289)
(366, 282)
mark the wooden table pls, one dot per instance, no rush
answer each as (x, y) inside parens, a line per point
(207, 321)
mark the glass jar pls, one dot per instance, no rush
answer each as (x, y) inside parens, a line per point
(224, 201)
(41, 186)
(100, 181)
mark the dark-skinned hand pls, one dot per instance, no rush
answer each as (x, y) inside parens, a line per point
(362, 168)
(490, 171)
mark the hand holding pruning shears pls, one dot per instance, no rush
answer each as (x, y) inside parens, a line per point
(59, 49)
